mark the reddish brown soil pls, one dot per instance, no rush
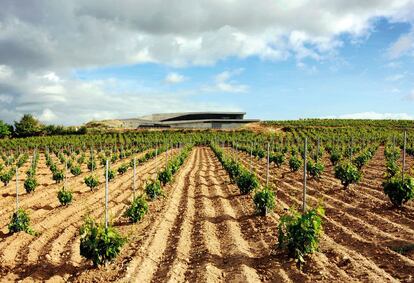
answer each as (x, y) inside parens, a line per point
(360, 224)
(203, 230)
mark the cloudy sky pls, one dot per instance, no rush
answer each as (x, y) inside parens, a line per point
(69, 62)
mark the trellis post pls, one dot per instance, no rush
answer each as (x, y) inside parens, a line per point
(268, 161)
(304, 175)
(106, 194)
(403, 163)
(17, 189)
(134, 178)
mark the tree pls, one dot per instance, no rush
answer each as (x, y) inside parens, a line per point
(5, 130)
(28, 126)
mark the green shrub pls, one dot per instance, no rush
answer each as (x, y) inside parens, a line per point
(300, 233)
(131, 163)
(64, 196)
(137, 209)
(69, 163)
(111, 174)
(81, 159)
(53, 167)
(76, 170)
(6, 177)
(247, 182)
(348, 174)
(335, 157)
(362, 159)
(99, 244)
(295, 163)
(123, 168)
(91, 165)
(91, 181)
(21, 161)
(30, 184)
(315, 169)
(31, 172)
(58, 176)
(232, 167)
(165, 176)
(20, 222)
(392, 169)
(264, 201)
(102, 161)
(277, 158)
(153, 189)
(398, 191)
(392, 153)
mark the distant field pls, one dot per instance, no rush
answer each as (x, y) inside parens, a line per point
(202, 228)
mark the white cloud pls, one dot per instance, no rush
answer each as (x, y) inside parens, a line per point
(51, 89)
(51, 76)
(404, 45)
(410, 96)
(44, 35)
(394, 78)
(376, 116)
(42, 44)
(48, 116)
(393, 65)
(174, 78)
(7, 99)
(83, 101)
(306, 68)
(5, 72)
(224, 83)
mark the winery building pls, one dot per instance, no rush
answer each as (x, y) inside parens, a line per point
(195, 120)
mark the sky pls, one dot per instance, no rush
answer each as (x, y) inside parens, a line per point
(70, 62)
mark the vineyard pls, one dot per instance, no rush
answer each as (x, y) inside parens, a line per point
(331, 202)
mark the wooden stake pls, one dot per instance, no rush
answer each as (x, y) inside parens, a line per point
(304, 175)
(251, 157)
(268, 161)
(106, 194)
(66, 173)
(156, 155)
(403, 164)
(92, 159)
(134, 178)
(17, 189)
(317, 152)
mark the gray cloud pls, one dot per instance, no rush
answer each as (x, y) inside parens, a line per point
(45, 34)
(39, 37)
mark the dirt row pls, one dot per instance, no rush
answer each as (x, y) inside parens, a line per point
(362, 225)
(46, 187)
(54, 254)
(203, 230)
(207, 232)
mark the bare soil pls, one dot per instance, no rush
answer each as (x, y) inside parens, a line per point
(203, 230)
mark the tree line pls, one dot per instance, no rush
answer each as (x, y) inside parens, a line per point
(29, 126)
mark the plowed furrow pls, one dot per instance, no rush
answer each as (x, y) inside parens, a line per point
(174, 261)
(359, 206)
(45, 195)
(120, 192)
(378, 254)
(236, 260)
(144, 264)
(204, 236)
(55, 230)
(339, 252)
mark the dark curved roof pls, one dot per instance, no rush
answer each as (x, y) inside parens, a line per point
(186, 116)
